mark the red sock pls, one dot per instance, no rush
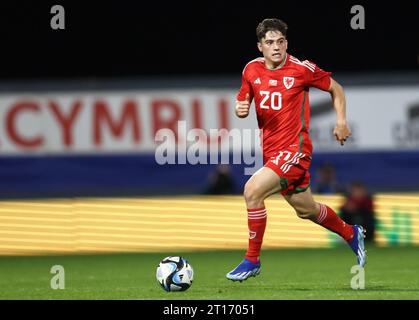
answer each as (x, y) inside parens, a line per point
(330, 220)
(256, 220)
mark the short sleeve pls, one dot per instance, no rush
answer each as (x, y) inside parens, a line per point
(317, 77)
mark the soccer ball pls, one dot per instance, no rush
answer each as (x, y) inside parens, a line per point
(174, 274)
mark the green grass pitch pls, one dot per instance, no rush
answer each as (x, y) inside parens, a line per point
(390, 273)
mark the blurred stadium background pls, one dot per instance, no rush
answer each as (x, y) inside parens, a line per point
(80, 107)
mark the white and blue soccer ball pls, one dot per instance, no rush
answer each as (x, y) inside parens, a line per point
(174, 273)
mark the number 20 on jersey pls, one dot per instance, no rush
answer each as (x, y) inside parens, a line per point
(271, 100)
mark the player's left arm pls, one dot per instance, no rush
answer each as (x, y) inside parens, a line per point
(342, 130)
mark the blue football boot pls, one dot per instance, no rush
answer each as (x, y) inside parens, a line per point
(243, 271)
(357, 245)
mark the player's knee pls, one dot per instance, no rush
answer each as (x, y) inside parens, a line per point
(252, 192)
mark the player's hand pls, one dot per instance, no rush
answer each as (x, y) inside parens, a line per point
(342, 132)
(242, 107)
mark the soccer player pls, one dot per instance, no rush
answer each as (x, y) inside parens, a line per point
(279, 83)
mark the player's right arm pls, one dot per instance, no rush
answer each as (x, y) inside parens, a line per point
(244, 98)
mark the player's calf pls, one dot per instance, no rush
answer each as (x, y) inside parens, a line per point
(307, 210)
(307, 214)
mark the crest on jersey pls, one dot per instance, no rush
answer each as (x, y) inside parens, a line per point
(289, 82)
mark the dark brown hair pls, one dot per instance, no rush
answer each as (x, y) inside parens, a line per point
(271, 25)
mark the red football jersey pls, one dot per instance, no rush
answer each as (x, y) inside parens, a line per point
(281, 100)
